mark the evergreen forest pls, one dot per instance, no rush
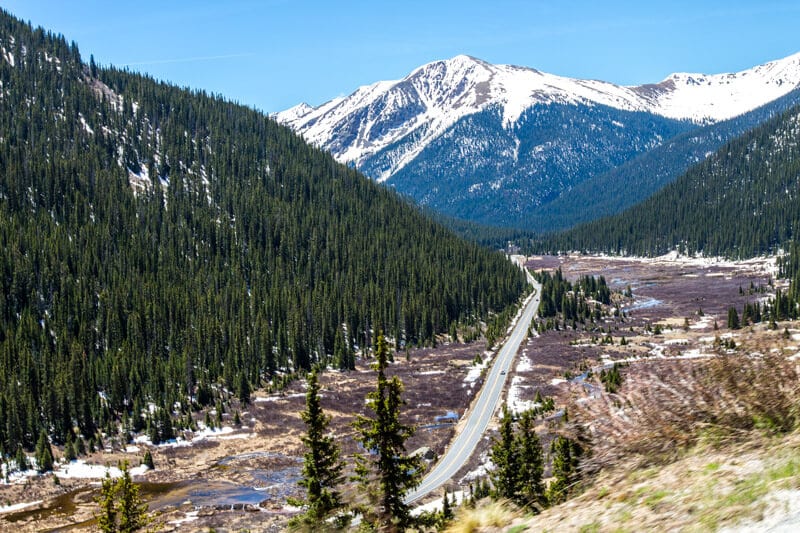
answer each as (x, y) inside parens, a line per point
(159, 245)
(740, 202)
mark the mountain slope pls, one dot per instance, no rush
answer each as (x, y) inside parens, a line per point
(169, 248)
(742, 201)
(437, 95)
(479, 115)
(495, 175)
(633, 181)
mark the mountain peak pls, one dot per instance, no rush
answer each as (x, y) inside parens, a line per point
(436, 95)
(456, 62)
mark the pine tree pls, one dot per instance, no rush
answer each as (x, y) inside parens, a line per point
(531, 464)
(243, 389)
(733, 318)
(322, 468)
(132, 511)
(565, 469)
(387, 473)
(44, 453)
(148, 460)
(21, 459)
(70, 454)
(121, 507)
(107, 519)
(505, 456)
(447, 510)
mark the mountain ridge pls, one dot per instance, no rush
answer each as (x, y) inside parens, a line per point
(495, 144)
(519, 88)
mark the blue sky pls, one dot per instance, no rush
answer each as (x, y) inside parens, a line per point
(272, 54)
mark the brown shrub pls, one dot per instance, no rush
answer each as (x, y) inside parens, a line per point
(668, 407)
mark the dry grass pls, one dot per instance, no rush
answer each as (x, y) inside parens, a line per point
(487, 516)
(747, 486)
(667, 408)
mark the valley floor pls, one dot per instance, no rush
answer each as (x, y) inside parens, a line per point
(241, 476)
(657, 462)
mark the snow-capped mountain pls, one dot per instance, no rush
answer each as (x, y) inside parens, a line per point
(391, 129)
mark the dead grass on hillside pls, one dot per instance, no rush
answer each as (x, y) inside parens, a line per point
(487, 516)
(666, 408)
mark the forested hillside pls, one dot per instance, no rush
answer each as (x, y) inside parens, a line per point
(159, 244)
(635, 180)
(740, 202)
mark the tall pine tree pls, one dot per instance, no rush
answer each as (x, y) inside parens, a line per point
(505, 456)
(386, 473)
(566, 454)
(44, 453)
(121, 507)
(322, 468)
(531, 464)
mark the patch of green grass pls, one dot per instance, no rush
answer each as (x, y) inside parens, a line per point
(602, 493)
(712, 467)
(518, 529)
(789, 469)
(652, 500)
(643, 474)
(594, 527)
(744, 498)
(640, 492)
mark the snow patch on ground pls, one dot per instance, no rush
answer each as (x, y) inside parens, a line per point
(191, 516)
(657, 351)
(279, 397)
(475, 371)
(80, 469)
(524, 364)
(484, 467)
(18, 506)
(223, 433)
(514, 401)
(85, 124)
(758, 265)
(436, 505)
(17, 476)
(704, 323)
(694, 353)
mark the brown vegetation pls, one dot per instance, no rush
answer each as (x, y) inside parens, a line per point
(668, 407)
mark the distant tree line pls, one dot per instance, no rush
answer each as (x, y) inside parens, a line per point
(559, 295)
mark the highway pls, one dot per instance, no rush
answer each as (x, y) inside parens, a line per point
(478, 418)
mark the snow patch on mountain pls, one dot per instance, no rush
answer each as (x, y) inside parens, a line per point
(711, 98)
(432, 98)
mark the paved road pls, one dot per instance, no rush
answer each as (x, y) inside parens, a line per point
(478, 418)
